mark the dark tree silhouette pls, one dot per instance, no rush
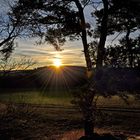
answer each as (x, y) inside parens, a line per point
(123, 18)
(117, 56)
(9, 31)
(103, 35)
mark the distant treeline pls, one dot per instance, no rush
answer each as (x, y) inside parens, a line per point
(117, 80)
(44, 78)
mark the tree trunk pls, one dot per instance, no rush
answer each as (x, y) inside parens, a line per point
(103, 36)
(88, 113)
(88, 110)
(129, 47)
(88, 121)
(84, 35)
(89, 127)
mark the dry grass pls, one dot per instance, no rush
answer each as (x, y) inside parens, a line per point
(64, 99)
(25, 121)
(116, 101)
(35, 97)
(72, 135)
(54, 123)
(76, 134)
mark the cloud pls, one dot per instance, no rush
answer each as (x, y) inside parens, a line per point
(45, 54)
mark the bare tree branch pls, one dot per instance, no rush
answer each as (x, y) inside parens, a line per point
(11, 64)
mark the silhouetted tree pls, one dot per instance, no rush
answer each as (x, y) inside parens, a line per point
(124, 18)
(103, 35)
(111, 18)
(117, 56)
(10, 30)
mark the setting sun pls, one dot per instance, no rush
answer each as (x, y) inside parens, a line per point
(57, 62)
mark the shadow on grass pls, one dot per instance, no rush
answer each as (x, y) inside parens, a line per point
(106, 136)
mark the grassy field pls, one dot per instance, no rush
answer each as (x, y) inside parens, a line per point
(63, 98)
(51, 116)
(37, 97)
(55, 123)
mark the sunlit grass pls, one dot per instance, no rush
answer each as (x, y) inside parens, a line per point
(36, 98)
(61, 98)
(116, 101)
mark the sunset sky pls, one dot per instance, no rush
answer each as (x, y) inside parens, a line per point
(45, 54)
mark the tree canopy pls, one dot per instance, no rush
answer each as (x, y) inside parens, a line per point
(123, 21)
